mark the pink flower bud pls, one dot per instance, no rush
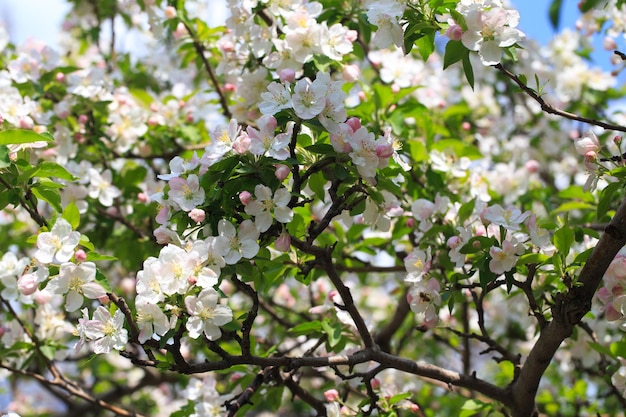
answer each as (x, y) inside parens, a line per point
(361, 95)
(127, 285)
(143, 198)
(27, 284)
(245, 197)
(590, 160)
(454, 32)
(82, 119)
(375, 383)
(197, 215)
(180, 31)
(395, 88)
(609, 43)
(192, 280)
(453, 242)
(230, 87)
(411, 222)
(331, 395)
(617, 140)
(282, 171)
(466, 126)
(354, 123)
(287, 75)
(80, 255)
(26, 123)
(532, 166)
(59, 77)
(104, 299)
(414, 408)
(170, 12)
(283, 242)
(43, 297)
(350, 73)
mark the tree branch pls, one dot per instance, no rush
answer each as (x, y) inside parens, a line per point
(548, 108)
(568, 310)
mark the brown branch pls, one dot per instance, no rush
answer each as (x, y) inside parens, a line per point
(568, 310)
(72, 389)
(548, 108)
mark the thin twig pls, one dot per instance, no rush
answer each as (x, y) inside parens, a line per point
(548, 108)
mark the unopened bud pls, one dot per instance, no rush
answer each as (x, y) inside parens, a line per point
(245, 197)
(287, 75)
(283, 242)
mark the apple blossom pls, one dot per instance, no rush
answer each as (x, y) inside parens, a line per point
(265, 206)
(76, 282)
(206, 315)
(58, 244)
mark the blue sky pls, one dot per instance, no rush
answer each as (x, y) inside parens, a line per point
(535, 23)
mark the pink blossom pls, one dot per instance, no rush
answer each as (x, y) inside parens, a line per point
(197, 215)
(245, 197)
(331, 395)
(454, 32)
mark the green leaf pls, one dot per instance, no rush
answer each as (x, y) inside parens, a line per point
(95, 256)
(619, 349)
(321, 148)
(317, 183)
(468, 70)
(601, 349)
(532, 258)
(48, 194)
(606, 198)
(5, 161)
(20, 136)
(102, 280)
(563, 239)
(426, 45)
(72, 215)
(307, 328)
(455, 51)
(47, 169)
(555, 13)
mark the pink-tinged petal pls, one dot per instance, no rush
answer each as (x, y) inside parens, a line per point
(93, 290)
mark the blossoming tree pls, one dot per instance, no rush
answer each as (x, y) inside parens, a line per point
(333, 207)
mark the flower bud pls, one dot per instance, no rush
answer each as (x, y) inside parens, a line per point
(27, 284)
(454, 32)
(350, 73)
(197, 215)
(170, 12)
(532, 166)
(375, 383)
(331, 395)
(245, 197)
(283, 242)
(609, 43)
(282, 171)
(590, 160)
(287, 75)
(354, 123)
(80, 255)
(453, 242)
